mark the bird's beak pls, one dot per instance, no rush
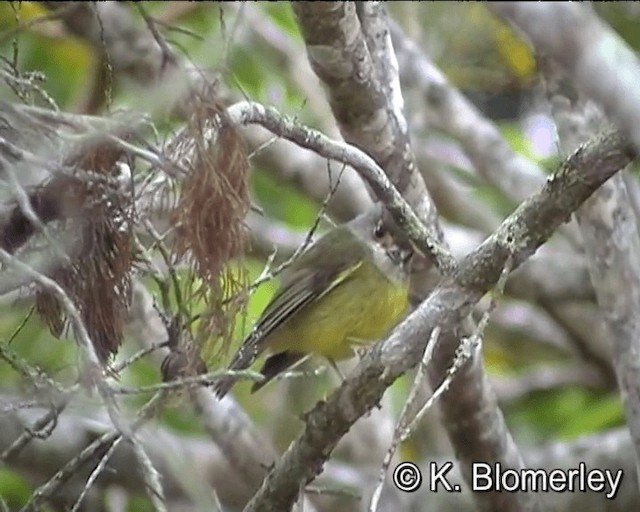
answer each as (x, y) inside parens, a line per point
(400, 256)
(406, 255)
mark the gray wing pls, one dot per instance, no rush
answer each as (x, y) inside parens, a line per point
(289, 299)
(300, 291)
(306, 280)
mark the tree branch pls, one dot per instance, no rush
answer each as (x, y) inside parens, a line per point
(517, 238)
(351, 52)
(363, 93)
(610, 233)
(287, 128)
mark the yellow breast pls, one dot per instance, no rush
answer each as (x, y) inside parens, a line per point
(359, 311)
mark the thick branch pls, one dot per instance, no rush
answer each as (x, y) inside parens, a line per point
(363, 89)
(610, 233)
(611, 241)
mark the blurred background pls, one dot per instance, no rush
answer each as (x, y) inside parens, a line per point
(544, 349)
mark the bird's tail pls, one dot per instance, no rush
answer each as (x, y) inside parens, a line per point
(276, 364)
(241, 361)
(223, 386)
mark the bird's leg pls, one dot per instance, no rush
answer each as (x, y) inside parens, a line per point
(360, 345)
(342, 377)
(336, 369)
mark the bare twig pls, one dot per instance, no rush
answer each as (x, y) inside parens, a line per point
(47, 421)
(466, 349)
(104, 442)
(246, 113)
(100, 467)
(167, 54)
(403, 421)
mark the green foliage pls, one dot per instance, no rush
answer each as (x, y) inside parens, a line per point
(282, 201)
(516, 139)
(282, 15)
(14, 489)
(35, 345)
(139, 504)
(565, 414)
(63, 64)
(249, 74)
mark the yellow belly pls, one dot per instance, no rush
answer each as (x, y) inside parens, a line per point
(363, 309)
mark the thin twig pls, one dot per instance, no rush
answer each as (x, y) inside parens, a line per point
(100, 467)
(138, 355)
(97, 446)
(47, 421)
(206, 380)
(290, 129)
(401, 426)
(467, 347)
(168, 56)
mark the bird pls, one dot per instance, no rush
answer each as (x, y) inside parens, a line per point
(348, 289)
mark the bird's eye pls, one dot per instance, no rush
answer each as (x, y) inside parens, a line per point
(379, 230)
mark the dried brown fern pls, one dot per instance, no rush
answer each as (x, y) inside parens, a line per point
(209, 215)
(98, 278)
